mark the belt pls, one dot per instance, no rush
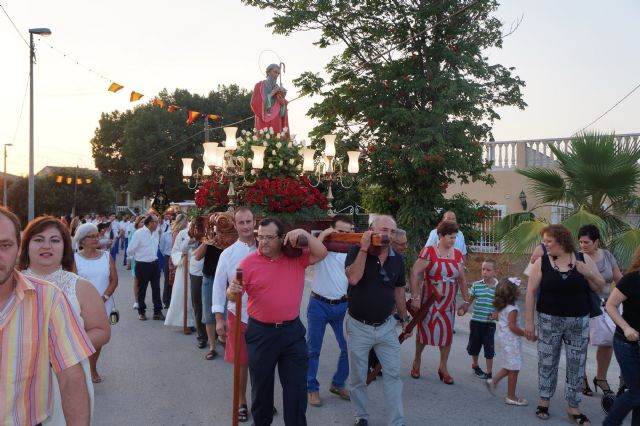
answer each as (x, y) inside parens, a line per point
(273, 324)
(329, 301)
(370, 323)
(140, 261)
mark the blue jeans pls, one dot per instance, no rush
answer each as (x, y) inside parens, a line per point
(207, 296)
(628, 356)
(319, 314)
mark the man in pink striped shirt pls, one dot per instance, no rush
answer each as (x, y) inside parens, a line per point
(38, 329)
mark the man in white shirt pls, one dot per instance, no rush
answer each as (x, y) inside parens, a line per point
(328, 305)
(459, 244)
(143, 248)
(230, 258)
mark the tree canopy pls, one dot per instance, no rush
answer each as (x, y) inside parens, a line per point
(57, 198)
(413, 89)
(133, 148)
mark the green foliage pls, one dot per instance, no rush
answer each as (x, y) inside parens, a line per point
(57, 198)
(134, 148)
(419, 112)
(598, 179)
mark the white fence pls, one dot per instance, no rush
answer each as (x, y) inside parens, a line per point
(487, 242)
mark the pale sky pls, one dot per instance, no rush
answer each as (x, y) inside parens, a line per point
(577, 58)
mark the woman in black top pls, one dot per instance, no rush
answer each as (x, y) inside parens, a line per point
(563, 307)
(625, 343)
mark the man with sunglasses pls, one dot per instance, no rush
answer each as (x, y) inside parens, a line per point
(328, 305)
(376, 285)
(275, 335)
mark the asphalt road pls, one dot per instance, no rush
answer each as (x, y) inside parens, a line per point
(155, 375)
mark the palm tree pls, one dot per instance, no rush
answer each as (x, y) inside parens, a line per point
(598, 179)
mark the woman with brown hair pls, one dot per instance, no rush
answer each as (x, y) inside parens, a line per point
(46, 253)
(563, 307)
(442, 265)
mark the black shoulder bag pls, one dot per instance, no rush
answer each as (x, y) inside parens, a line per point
(595, 302)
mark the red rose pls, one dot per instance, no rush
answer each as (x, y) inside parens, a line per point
(391, 162)
(370, 122)
(480, 213)
(427, 158)
(444, 186)
(423, 172)
(371, 148)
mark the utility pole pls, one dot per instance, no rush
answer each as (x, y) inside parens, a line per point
(4, 176)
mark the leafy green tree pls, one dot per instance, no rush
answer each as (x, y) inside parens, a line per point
(417, 111)
(57, 198)
(598, 179)
(134, 148)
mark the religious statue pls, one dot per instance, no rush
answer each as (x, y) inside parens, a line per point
(268, 102)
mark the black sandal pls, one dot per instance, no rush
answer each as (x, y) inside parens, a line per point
(243, 413)
(579, 419)
(542, 412)
(586, 390)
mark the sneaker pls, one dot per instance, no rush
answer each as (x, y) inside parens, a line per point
(314, 399)
(520, 401)
(488, 376)
(477, 371)
(361, 422)
(135, 306)
(158, 316)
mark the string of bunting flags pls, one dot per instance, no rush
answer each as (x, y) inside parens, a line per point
(69, 180)
(191, 115)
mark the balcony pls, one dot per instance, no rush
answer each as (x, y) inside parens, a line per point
(535, 152)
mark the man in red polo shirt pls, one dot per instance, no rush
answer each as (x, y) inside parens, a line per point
(275, 335)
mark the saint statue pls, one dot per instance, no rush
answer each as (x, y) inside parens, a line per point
(268, 102)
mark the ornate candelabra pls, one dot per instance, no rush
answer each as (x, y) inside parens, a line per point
(329, 169)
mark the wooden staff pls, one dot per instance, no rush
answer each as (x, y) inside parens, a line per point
(416, 318)
(185, 280)
(236, 354)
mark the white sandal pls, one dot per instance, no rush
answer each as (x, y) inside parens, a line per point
(519, 401)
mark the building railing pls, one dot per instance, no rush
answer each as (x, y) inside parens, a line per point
(507, 155)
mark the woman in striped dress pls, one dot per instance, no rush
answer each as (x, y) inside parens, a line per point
(443, 266)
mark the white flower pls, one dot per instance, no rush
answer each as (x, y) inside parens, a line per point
(243, 132)
(255, 130)
(285, 129)
(290, 145)
(239, 140)
(271, 130)
(292, 161)
(279, 145)
(271, 166)
(274, 152)
(280, 163)
(267, 136)
(253, 171)
(255, 138)
(264, 143)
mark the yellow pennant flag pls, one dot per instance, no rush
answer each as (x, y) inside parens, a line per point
(192, 115)
(135, 96)
(214, 116)
(114, 87)
(158, 102)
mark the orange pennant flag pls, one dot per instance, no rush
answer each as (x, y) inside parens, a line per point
(214, 116)
(192, 115)
(69, 180)
(135, 96)
(114, 87)
(173, 108)
(58, 179)
(88, 180)
(158, 102)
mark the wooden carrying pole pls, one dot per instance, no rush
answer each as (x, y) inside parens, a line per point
(417, 317)
(236, 354)
(185, 281)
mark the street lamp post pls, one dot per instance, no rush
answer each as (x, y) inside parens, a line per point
(4, 176)
(32, 56)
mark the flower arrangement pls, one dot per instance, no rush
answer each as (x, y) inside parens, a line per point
(212, 195)
(281, 156)
(285, 196)
(277, 188)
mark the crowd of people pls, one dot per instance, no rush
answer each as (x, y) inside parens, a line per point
(55, 307)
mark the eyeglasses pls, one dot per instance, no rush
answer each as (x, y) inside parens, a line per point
(385, 276)
(267, 237)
